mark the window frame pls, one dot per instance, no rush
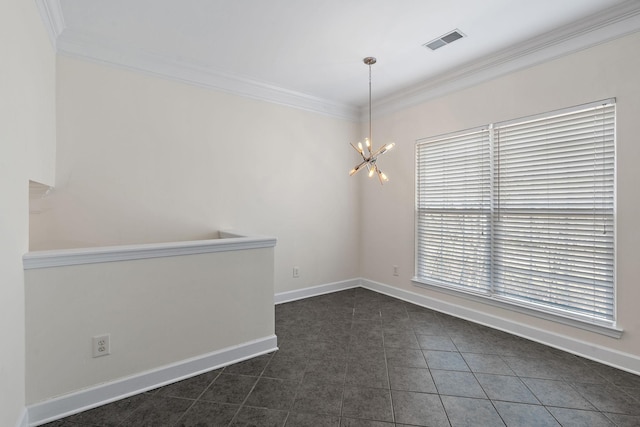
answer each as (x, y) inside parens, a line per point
(598, 325)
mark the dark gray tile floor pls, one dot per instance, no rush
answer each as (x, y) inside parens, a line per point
(358, 358)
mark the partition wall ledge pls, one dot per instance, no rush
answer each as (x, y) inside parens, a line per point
(63, 257)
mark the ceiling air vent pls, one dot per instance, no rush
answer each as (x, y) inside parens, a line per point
(444, 40)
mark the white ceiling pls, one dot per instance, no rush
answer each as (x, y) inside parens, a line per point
(310, 52)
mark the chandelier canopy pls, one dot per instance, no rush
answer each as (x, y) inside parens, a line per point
(370, 158)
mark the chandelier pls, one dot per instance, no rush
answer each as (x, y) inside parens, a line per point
(370, 158)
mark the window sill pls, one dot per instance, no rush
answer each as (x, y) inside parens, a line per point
(602, 328)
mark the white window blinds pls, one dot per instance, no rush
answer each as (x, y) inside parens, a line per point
(454, 210)
(523, 212)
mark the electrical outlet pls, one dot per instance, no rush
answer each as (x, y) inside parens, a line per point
(395, 270)
(296, 272)
(101, 345)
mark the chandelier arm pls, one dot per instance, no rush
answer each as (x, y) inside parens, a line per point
(380, 151)
(357, 168)
(359, 151)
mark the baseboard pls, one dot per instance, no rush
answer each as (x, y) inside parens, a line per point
(313, 291)
(621, 360)
(60, 407)
(23, 421)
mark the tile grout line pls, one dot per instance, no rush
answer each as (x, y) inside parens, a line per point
(386, 366)
(235, 416)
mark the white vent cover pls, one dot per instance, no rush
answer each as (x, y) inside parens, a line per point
(444, 40)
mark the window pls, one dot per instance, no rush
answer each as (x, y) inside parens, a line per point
(522, 212)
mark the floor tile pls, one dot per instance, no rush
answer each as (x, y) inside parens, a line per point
(190, 388)
(533, 368)
(312, 420)
(366, 313)
(436, 342)
(354, 422)
(411, 379)
(328, 349)
(400, 340)
(229, 388)
(466, 412)
(205, 414)
(365, 341)
(326, 371)
(254, 417)
(366, 354)
(557, 393)
(624, 420)
(111, 414)
(253, 366)
(579, 418)
(422, 327)
(159, 412)
(363, 328)
(445, 360)
(616, 376)
(455, 383)
(289, 368)
(273, 394)
(609, 399)
(317, 398)
(473, 344)
(66, 423)
(405, 357)
(487, 364)
(524, 415)
(367, 374)
(506, 388)
(367, 403)
(578, 372)
(420, 409)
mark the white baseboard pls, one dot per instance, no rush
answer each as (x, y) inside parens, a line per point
(621, 360)
(60, 407)
(313, 291)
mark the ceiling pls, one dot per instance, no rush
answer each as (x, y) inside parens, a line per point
(309, 54)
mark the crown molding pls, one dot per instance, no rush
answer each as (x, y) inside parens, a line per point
(84, 46)
(52, 18)
(615, 22)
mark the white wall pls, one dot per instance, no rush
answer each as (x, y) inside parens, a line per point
(142, 159)
(604, 71)
(27, 144)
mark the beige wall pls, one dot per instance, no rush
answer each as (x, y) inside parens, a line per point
(142, 159)
(27, 144)
(157, 311)
(607, 70)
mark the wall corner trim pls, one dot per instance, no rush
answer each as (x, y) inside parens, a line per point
(23, 421)
(69, 404)
(314, 291)
(52, 18)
